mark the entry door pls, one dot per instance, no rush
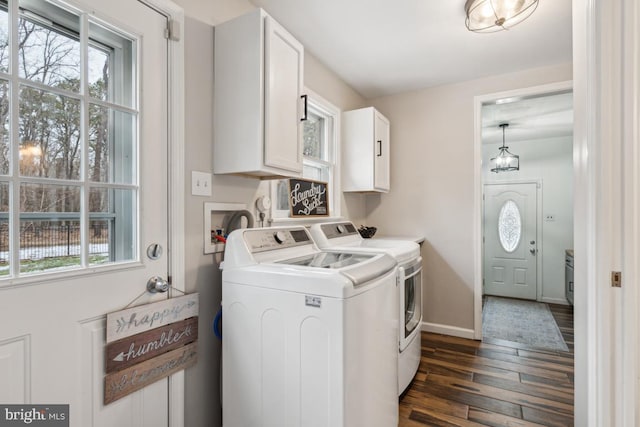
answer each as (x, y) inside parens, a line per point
(113, 189)
(510, 246)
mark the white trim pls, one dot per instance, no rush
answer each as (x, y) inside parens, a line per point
(477, 186)
(630, 363)
(176, 185)
(453, 331)
(559, 301)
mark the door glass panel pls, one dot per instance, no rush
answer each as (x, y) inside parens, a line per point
(49, 135)
(49, 52)
(4, 229)
(111, 66)
(4, 37)
(509, 226)
(5, 146)
(112, 225)
(112, 139)
(49, 227)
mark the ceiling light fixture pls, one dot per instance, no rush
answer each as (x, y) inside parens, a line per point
(505, 161)
(488, 16)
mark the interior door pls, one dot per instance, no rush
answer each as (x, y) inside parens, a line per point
(510, 247)
(53, 322)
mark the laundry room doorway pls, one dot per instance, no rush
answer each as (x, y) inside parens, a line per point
(525, 217)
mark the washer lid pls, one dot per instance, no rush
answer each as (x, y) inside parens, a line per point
(358, 267)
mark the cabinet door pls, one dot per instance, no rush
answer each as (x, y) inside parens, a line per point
(283, 80)
(381, 153)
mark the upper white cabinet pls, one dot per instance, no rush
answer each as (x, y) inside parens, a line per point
(365, 142)
(258, 100)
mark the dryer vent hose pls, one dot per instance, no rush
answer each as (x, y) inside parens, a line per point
(235, 220)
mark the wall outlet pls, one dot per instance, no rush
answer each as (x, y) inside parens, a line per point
(549, 217)
(200, 183)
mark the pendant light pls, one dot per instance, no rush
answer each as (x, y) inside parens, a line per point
(488, 16)
(505, 161)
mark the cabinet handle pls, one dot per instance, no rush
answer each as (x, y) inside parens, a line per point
(379, 148)
(305, 108)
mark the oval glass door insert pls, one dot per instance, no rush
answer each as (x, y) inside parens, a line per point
(509, 226)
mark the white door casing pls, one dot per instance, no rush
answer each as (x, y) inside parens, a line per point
(510, 240)
(54, 326)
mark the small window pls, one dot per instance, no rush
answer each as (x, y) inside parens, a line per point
(68, 158)
(320, 144)
(509, 226)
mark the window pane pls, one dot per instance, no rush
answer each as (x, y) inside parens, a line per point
(112, 225)
(315, 172)
(98, 73)
(49, 53)
(49, 227)
(111, 66)
(49, 135)
(5, 145)
(313, 137)
(4, 229)
(509, 226)
(112, 138)
(282, 195)
(4, 37)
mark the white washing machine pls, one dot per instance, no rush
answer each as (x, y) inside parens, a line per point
(343, 236)
(308, 336)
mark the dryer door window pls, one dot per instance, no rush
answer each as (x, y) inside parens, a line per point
(412, 302)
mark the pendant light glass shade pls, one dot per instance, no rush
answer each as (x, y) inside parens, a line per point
(505, 161)
(488, 16)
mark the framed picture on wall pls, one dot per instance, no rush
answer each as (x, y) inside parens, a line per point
(308, 198)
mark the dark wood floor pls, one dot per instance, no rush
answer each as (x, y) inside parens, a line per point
(496, 383)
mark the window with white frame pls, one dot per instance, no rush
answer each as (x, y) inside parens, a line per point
(321, 134)
(68, 140)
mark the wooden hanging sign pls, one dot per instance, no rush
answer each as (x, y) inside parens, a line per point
(135, 320)
(126, 381)
(144, 346)
(308, 198)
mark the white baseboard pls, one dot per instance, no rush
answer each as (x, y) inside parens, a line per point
(447, 330)
(561, 301)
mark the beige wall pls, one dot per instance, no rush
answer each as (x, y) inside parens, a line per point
(432, 183)
(202, 396)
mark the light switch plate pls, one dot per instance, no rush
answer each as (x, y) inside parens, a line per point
(200, 183)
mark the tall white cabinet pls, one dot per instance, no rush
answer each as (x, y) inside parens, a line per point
(258, 98)
(366, 152)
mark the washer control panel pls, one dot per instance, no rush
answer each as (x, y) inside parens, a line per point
(264, 239)
(338, 230)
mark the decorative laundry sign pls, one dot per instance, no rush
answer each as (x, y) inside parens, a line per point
(308, 198)
(147, 345)
(149, 342)
(122, 383)
(131, 321)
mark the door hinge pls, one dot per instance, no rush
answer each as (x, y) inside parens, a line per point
(172, 32)
(169, 280)
(616, 279)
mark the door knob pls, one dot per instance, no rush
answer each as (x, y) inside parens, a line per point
(157, 284)
(533, 242)
(533, 251)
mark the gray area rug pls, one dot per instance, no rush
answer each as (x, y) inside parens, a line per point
(525, 322)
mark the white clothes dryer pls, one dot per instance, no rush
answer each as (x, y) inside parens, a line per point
(343, 236)
(308, 336)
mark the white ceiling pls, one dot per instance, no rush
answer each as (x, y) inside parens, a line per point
(383, 47)
(529, 119)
